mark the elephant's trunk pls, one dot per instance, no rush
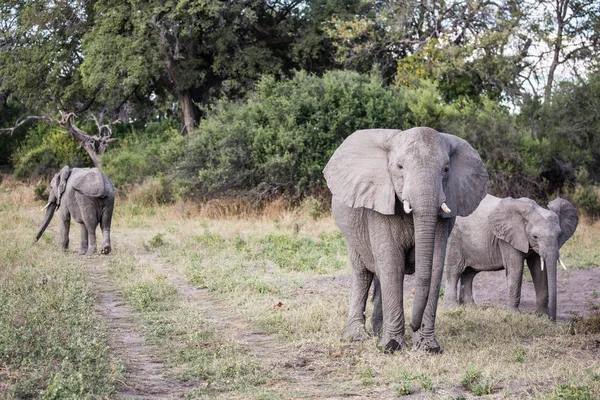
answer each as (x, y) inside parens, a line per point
(425, 221)
(551, 265)
(47, 218)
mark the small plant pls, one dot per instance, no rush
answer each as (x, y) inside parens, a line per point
(571, 391)
(405, 388)
(519, 355)
(471, 377)
(426, 383)
(157, 241)
(482, 388)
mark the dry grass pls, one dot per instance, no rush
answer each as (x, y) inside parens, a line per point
(283, 272)
(581, 251)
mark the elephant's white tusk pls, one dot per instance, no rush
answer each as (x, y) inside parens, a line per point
(407, 208)
(562, 264)
(445, 208)
(46, 206)
(542, 260)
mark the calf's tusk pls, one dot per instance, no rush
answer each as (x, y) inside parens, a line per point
(542, 260)
(562, 264)
(407, 208)
(46, 206)
(445, 208)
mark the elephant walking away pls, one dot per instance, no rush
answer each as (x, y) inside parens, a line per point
(503, 233)
(394, 193)
(87, 196)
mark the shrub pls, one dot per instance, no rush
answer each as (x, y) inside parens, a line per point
(45, 149)
(280, 139)
(150, 152)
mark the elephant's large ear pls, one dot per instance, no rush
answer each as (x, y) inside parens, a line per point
(90, 182)
(63, 175)
(567, 216)
(507, 222)
(468, 180)
(357, 173)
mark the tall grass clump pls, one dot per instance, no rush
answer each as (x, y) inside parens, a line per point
(52, 343)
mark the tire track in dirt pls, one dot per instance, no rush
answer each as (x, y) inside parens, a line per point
(145, 373)
(299, 373)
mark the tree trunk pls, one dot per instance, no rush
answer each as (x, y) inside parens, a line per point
(188, 113)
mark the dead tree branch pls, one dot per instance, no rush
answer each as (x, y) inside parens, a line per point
(95, 145)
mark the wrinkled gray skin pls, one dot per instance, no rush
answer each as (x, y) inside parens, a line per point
(371, 175)
(87, 196)
(502, 233)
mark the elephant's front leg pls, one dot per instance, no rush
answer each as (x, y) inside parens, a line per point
(513, 262)
(65, 225)
(83, 244)
(391, 281)
(540, 283)
(424, 338)
(361, 281)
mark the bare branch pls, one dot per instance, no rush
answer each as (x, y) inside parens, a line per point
(22, 121)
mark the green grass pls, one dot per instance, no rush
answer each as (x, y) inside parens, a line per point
(52, 343)
(191, 347)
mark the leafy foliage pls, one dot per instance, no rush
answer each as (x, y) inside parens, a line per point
(279, 140)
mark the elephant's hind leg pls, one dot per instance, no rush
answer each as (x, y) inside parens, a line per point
(105, 227)
(466, 286)
(450, 291)
(361, 281)
(83, 244)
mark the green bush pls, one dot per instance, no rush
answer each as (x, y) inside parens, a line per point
(45, 149)
(279, 140)
(150, 152)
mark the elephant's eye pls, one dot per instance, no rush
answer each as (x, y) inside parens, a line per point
(400, 166)
(446, 169)
(535, 237)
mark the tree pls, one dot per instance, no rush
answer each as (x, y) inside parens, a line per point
(94, 146)
(194, 51)
(566, 34)
(470, 47)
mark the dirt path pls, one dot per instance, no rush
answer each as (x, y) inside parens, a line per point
(144, 376)
(307, 373)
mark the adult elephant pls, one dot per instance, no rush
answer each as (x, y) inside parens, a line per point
(502, 233)
(87, 196)
(394, 193)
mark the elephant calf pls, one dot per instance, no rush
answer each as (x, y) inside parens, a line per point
(87, 196)
(502, 233)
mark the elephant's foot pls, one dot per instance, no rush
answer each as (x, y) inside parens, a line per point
(468, 301)
(392, 344)
(105, 250)
(377, 325)
(451, 304)
(427, 344)
(356, 333)
(82, 252)
(90, 252)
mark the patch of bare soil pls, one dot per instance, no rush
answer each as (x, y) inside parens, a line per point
(144, 376)
(578, 290)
